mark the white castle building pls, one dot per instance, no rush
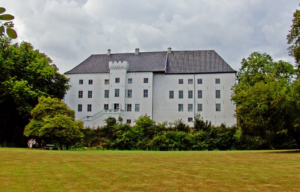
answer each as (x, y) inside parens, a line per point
(167, 86)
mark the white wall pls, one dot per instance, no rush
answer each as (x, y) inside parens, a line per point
(166, 109)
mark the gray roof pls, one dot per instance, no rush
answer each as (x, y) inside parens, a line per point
(176, 61)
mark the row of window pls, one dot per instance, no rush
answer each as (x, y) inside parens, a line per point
(199, 107)
(117, 80)
(199, 81)
(117, 93)
(190, 94)
(137, 107)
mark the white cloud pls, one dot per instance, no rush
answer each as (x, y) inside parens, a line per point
(69, 31)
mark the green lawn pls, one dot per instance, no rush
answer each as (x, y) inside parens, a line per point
(38, 170)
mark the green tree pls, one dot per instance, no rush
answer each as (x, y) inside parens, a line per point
(25, 75)
(266, 99)
(294, 38)
(8, 25)
(53, 118)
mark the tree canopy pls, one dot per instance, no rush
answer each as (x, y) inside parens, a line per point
(267, 99)
(25, 75)
(53, 118)
(294, 38)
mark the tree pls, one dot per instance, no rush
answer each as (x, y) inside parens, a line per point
(7, 26)
(53, 118)
(294, 38)
(25, 75)
(267, 99)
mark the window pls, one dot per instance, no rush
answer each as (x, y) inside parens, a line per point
(180, 94)
(180, 81)
(190, 119)
(180, 107)
(106, 81)
(129, 93)
(117, 80)
(190, 107)
(89, 107)
(218, 94)
(117, 92)
(145, 92)
(80, 81)
(80, 94)
(137, 107)
(79, 107)
(129, 80)
(218, 107)
(190, 81)
(190, 94)
(105, 106)
(218, 81)
(145, 80)
(91, 82)
(90, 94)
(106, 93)
(199, 81)
(199, 107)
(199, 94)
(128, 107)
(129, 121)
(171, 94)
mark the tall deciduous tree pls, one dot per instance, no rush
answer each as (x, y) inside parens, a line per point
(53, 118)
(294, 38)
(267, 99)
(25, 75)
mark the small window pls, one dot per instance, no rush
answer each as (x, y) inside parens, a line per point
(105, 106)
(90, 94)
(190, 107)
(129, 121)
(190, 119)
(89, 107)
(80, 94)
(190, 94)
(218, 107)
(180, 81)
(128, 107)
(117, 92)
(180, 94)
(129, 80)
(218, 81)
(171, 94)
(218, 94)
(117, 80)
(180, 107)
(145, 80)
(199, 94)
(190, 81)
(91, 82)
(79, 107)
(145, 92)
(80, 81)
(199, 107)
(106, 93)
(129, 93)
(106, 81)
(137, 107)
(199, 81)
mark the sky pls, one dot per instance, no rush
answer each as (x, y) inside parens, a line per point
(69, 31)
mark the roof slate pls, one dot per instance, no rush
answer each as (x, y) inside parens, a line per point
(177, 62)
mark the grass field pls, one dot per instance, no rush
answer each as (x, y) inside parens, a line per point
(38, 170)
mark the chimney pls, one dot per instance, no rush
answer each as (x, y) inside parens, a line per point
(137, 51)
(169, 50)
(108, 51)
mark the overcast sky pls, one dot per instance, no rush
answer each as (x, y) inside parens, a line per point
(69, 31)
